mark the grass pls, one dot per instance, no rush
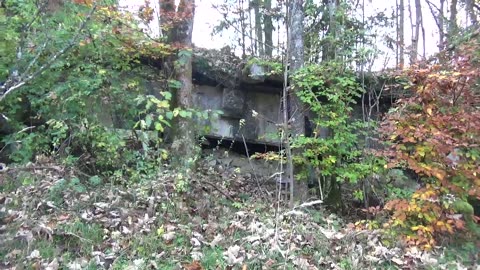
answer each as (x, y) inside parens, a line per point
(82, 236)
(213, 258)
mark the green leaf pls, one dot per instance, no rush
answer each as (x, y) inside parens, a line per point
(168, 95)
(174, 84)
(183, 113)
(148, 120)
(159, 127)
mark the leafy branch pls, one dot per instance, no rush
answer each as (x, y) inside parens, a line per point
(17, 81)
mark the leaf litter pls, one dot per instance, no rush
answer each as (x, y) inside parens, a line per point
(44, 225)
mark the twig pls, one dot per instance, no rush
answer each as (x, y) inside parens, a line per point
(219, 190)
(53, 168)
(251, 165)
(78, 236)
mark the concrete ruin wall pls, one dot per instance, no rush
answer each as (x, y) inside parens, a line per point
(238, 106)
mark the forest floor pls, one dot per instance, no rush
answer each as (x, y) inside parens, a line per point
(50, 219)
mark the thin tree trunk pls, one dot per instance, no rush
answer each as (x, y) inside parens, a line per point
(268, 28)
(397, 29)
(253, 43)
(258, 28)
(242, 25)
(469, 6)
(438, 15)
(329, 50)
(452, 24)
(401, 34)
(296, 111)
(423, 33)
(415, 31)
(441, 27)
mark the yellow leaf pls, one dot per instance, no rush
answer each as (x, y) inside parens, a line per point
(429, 111)
(160, 231)
(164, 155)
(438, 175)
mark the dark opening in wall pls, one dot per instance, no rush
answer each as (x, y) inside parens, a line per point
(238, 146)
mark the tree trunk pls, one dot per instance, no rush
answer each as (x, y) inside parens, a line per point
(423, 32)
(296, 111)
(184, 137)
(469, 6)
(438, 15)
(401, 33)
(253, 43)
(441, 25)
(258, 28)
(329, 50)
(241, 10)
(452, 24)
(415, 31)
(268, 28)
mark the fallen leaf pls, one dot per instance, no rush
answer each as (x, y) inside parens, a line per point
(398, 261)
(168, 236)
(34, 255)
(195, 265)
(53, 265)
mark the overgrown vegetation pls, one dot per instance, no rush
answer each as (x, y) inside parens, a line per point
(102, 169)
(435, 133)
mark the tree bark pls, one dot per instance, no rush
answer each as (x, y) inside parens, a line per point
(268, 28)
(469, 6)
(452, 24)
(329, 51)
(296, 111)
(258, 28)
(441, 25)
(401, 33)
(241, 10)
(184, 136)
(415, 26)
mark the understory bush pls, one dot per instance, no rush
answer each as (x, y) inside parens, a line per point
(85, 106)
(335, 151)
(434, 131)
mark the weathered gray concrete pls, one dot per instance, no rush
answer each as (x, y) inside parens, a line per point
(238, 107)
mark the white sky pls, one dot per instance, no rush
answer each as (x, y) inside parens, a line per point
(206, 17)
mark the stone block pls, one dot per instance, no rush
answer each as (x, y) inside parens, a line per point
(233, 102)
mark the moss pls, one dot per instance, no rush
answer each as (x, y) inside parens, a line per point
(466, 209)
(463, 207)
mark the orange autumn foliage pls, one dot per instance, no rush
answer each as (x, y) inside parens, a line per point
(435, 131)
